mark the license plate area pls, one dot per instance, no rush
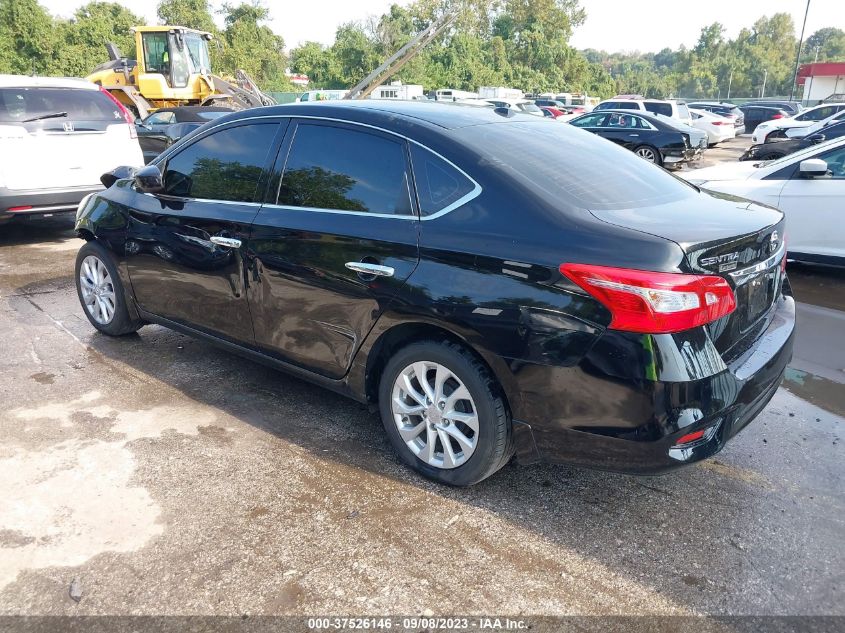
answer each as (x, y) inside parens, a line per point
(759, 296)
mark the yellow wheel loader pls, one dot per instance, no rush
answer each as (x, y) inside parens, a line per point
(172, 69)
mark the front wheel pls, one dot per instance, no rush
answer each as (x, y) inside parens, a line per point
(101, 292)
(649, 153)
(443, 413)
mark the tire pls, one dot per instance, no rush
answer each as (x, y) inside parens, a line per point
(492, 443)
(649, 153)
(107, 311)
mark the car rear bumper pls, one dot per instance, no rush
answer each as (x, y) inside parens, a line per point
(640, 421)
(41, 202)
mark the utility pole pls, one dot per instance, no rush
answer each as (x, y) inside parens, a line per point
(730, 79)
(763, 87)
(809, 89)
(798, 54)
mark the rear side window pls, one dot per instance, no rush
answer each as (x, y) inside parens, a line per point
(337, 168)
(18, 105)
(439, 184)
(539, 156)
(660, 108)
(225, 165)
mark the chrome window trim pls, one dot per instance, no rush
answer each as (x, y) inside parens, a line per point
(449, 208)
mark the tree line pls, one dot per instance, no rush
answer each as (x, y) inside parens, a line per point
(518, 43)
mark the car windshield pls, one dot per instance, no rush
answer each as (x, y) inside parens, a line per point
(539, 156)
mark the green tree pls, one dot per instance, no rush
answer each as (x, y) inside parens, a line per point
(82, 39)
(27, 38)
(830, 42)
(251, 45)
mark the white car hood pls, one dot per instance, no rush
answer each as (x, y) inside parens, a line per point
(740, 170)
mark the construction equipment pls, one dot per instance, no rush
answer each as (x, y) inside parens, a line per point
(173, 68)
(395, 62)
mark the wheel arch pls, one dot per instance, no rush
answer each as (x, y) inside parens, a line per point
(397, 335)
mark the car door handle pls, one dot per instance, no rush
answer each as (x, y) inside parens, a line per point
(633, 135)
(228, 242)
(370, 269)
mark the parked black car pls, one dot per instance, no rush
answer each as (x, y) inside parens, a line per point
(723, 109)
(658, 139)
(779, 149)
(165, 126)
(456, 267)
(790, 107)
(756, 114)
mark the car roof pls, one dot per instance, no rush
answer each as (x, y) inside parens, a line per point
(25, 81)
(440, 114)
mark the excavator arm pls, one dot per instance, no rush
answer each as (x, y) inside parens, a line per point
(395, 62)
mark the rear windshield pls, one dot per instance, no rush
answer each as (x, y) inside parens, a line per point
(659, 108)
(561, 162)
(21, 104)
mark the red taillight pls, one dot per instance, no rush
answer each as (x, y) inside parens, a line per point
(127, 115)
(717, 123)
(16, 209)
(690, 437)
(654, 303)
(778, 116)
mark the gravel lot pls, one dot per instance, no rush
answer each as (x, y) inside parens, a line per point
(168, 477)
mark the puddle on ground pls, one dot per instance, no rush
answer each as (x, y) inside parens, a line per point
(823, 393)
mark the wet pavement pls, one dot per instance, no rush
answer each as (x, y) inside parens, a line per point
(169, 477)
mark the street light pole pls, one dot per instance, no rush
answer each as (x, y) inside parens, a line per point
(763, 87)
(798, 54)
(730, 79)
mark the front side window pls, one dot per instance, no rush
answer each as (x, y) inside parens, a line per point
(225, 165)
(817, 114)
(835, 160)
(338, 168)
(439, 184)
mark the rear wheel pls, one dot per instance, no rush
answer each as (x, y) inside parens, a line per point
(101, 292)
(649, 153)
(443, 413)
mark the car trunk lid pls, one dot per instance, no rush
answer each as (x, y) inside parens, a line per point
(740, 241)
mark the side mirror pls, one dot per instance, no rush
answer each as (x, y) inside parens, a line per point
(813, 168)
(118, 173)
(816, 138)
(148, 179)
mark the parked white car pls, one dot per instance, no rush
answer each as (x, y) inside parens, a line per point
(717, 128)
(808, 186)
(779, 127)
(58, 136)
(520, 105)
(667, 107)
(801, 132)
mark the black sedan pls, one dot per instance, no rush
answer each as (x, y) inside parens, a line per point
(165, 126)
(658, 139)
(780, 148)
(454, 267)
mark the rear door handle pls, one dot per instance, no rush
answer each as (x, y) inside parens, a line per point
(370, 269)
(633, 135)
(228, 242)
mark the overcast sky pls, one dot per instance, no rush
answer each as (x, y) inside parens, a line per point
(611, 25)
